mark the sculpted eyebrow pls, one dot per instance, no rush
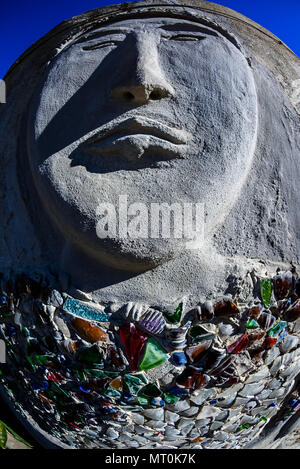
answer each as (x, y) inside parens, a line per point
(190, 28)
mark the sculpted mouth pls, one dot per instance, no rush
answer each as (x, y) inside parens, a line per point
(136, 135)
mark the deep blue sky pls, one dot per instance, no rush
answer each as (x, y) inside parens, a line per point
(22, 22)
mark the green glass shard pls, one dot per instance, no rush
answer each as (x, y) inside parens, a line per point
(101, 373)
(275, 330)
(151, 390)
(154, 355)
(252, 324)
(266, 286)
(174, 317)
(198, 333)
(90, 354)
(170, 398)
(30, 361)
(110, 392)
(133, 383)
(143, 400)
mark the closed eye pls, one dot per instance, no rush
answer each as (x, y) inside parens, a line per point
(101, 45)
(186, 37)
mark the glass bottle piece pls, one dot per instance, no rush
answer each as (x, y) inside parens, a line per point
(116, 383)
(178, 391)
(133, 341)
(266, 286)
(133, 383)
(252, 324)
(277, 328)
(198, 333)
(90, 354)
(174, 317)
(255, 311)
(282, 285)
(225, 308)
(293, 313)
(170, 398)
(239, 345)
(266, 320)
(178, 358)
(188, 377)
(88, 331)
(80, 309)
(150, 390)
(269, 342)
(154, 355)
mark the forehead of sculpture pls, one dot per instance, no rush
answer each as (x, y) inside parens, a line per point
(160, 24)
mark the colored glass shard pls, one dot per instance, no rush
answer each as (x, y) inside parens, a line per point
(277, 329)
(179, 358)
(266, 286)
(222, 366)
(188, 377)
(255, 311)
(174, 317)
(293, 313)
(225, 308)
(239, 345)
(266, 320)
(282, 286)
(89, 332)
(178, 391)
(256, 335)
(252, 324)
(133, 383)
(116, 383)
(80, 309)
(133, 341)
(90, 354)
(111, 392)
(143, 400)
(170, 398)
(154, 355)
(269, 342)
(198, 333)
(150, 390)
(95, 373)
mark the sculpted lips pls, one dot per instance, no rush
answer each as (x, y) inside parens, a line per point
(136, 135)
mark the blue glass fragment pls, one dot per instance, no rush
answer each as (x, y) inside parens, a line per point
(282, 335)
(157, 401)
(78, 308)
(3, 300)
(179, 358)
(86, 390)
(40, 386)
(214, 401)
(127, 398)
(178, 391)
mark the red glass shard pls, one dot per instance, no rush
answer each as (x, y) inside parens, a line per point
(239, 345)
(269, 342)
(133, 341)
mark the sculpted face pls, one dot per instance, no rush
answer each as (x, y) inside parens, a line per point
(160, 110)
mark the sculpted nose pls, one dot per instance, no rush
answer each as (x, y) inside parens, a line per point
(144, 79)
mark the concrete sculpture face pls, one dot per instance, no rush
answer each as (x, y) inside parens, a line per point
(140, 341)
(163, 110)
